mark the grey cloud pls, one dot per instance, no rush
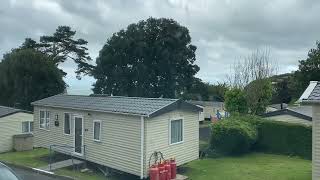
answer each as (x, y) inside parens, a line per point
(223, 30)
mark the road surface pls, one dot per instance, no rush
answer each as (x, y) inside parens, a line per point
(31, 175)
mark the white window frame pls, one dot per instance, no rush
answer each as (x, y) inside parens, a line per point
(29, 126)
(175, 119)
(70, 118)
(45, 119)
(93, 130)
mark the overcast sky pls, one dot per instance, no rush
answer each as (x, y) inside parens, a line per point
(223, 30)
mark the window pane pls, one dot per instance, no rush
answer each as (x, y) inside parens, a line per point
(41, 114)
(25, 127)
(31, 126)
(176, 131)
(42, 117)
(67, 123)
(96, 130)
(47, 123)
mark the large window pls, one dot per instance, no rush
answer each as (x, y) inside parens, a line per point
(44, 119)
(176, 131)
(27, 127)
(97, 130)
(67, 123)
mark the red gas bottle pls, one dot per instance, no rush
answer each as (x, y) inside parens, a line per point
(167, 167)
(154, 172)
(162, 172)
(173, 165)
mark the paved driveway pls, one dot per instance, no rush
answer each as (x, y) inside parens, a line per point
(30, 175)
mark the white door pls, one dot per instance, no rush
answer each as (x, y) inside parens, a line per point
(78, 135)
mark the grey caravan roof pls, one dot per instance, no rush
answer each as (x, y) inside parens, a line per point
(314, 96)
(6, 111)
(116, 104)
(303, 112)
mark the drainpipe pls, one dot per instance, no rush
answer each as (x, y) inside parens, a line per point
(142, 147)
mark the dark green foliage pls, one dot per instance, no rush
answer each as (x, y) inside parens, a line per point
(285, 138)
(197, 91)
(200, 90)
(309, 70)
(281, 92)
(61, 46)
(28, 75)
(217, 91)
(151, 58)
(233, 137)
(235, 101)
(272, 136)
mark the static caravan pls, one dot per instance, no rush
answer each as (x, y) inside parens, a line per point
(313, 98)
(119, 132)
(13, 122)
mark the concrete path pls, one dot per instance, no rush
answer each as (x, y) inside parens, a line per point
(62, 164)
(181, 177)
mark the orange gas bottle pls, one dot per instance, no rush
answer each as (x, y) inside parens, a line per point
(167, 167)
(173, 165)
(154, 172)
(162, 172)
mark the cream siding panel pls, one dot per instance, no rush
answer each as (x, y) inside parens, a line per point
(291, 119)
(119, 147)
(157, 137)
(316, 142)
(11, 125)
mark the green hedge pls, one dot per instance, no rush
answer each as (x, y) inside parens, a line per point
(284, 138)
(272, 136)
(233, 137)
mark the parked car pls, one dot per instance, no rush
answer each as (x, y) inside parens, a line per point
(7, 174)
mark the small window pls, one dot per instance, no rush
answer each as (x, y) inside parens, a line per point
(176, 131)
(67, 123)
(97, 130)
(27, 127)
(44, 119)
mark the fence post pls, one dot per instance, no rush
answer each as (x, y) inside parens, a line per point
(50, 158)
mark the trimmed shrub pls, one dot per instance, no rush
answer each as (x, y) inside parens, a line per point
(284, 138)
(233, 137)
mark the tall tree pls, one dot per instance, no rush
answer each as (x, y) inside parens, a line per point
(309, 70)
(152, 58)
(61, 46)
(258, 95)
(28, 75)
(252, 75)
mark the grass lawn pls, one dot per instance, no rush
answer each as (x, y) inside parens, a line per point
(26, 158)
(33, 159)
(254, 166)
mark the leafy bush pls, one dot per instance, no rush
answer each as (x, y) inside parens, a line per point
(241, 133)
(233, 137)
(285, 138)
(235, 101)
